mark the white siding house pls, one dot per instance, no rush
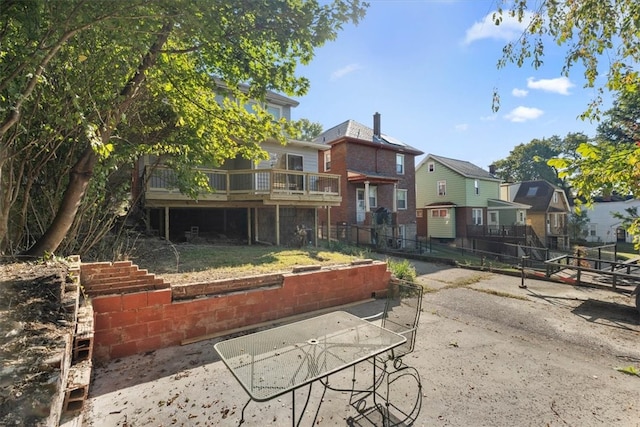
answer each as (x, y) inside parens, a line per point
(603, 226)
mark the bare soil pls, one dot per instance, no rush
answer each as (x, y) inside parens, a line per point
(34, 324)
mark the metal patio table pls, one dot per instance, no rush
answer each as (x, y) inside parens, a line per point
(273, 362)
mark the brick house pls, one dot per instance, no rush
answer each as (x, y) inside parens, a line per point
(377, 180)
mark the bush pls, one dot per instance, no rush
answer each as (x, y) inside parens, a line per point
(402, 270)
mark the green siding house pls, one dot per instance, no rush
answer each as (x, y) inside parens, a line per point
(457, 200)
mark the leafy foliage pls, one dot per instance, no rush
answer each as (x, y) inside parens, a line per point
(611, 163)
(88, 87)
(308, 130)
(589, 30)
(528, 162)
(577, 225)
(402, 270)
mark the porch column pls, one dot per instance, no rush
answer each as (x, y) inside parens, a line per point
(366, 197)
(328, 223)
(249, 226)
(395, 197)
(166, 223)
(255, 224)
(147, 214)
(278, 225)
(315, 226)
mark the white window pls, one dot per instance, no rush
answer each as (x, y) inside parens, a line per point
(521, 217)
(275, 111)
(401, 199)
(327, 160)
(593, 230)
(294, 162)
(439, 213)
(431, 167)
(555, 197)
(493, 217)
(476, 215)
(442, 188)
(373, 196)
(476, 186)
(400, 164)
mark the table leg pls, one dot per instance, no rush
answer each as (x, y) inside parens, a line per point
(242, 413)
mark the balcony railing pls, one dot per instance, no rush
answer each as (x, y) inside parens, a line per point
(238, 184)
(505, 231)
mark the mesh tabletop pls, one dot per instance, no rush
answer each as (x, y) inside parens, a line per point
(275, 361)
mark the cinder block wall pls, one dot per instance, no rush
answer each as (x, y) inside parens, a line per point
(147, 318)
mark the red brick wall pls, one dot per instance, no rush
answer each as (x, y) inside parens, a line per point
(377, 160)
(131, 323)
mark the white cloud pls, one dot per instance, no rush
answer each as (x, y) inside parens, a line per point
(508, 30)
(519, 93)
(560, 85)
(523, 114)
(338, 74)
(462, 127)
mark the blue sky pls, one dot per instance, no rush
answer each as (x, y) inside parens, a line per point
(429, 68)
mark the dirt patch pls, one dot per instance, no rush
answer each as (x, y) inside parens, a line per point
(34, 327)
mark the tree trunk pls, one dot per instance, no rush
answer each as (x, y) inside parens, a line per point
(83, 169)
(78, 182)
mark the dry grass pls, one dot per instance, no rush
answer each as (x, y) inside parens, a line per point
(191, 263)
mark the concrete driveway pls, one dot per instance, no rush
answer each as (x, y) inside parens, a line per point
(489, 354)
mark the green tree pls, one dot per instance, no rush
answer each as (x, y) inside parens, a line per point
(95, 63)
(590, 31)
(611, 163)
(308, 130)
(528, 162)
(578, 222)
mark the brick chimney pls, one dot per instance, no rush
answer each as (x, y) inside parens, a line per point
(376, 125)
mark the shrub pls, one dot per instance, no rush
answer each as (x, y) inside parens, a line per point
(402, 270)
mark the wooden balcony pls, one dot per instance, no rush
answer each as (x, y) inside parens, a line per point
(245, 188)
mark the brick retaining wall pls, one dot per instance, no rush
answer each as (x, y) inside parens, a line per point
(137, 317)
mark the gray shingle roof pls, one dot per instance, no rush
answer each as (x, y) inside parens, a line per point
(462, 167)
(535, 193)
(353, 129)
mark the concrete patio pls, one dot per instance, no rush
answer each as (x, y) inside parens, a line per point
(489, 353)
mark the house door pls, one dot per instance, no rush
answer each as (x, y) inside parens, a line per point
(402, 235)
(295, 163)
(493, 218)
(360, 205)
